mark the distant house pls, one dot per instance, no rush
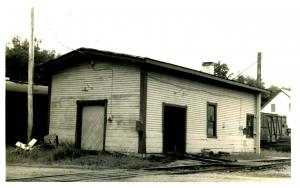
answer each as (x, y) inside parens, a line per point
(280, 104)
(16, 112)
(109, 101)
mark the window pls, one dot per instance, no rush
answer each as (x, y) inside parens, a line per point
(290, 107)
(211, 120)
(249, 125)
(273, 109)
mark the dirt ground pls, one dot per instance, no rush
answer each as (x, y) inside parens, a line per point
(281, 174)
(266, 175)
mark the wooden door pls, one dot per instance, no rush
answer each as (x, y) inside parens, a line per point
(92, 128)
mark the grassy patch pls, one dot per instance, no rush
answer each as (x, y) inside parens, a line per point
(113, 160)
(42, 154)
(67, 154)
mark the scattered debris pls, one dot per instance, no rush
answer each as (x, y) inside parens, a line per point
(32, 142)
(28, 146)
(210, 154)
(21, 145)
(51, 140)
(223, 154)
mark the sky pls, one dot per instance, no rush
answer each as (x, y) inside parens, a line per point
(184, 33)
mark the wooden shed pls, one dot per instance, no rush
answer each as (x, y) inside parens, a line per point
(109, 101)
(16, 112)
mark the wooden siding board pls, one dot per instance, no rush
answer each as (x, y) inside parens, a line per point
(231, 113)
(118, 83)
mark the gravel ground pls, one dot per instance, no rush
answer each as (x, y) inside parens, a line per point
(282, 174)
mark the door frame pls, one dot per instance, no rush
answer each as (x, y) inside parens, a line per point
(80, 105)
(163, 126)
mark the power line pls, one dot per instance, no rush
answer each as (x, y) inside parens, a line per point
(58, 40)
(53, 33)
(71, 15)
(79, 24)
(245, 70)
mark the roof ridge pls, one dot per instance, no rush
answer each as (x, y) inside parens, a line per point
(152, 62)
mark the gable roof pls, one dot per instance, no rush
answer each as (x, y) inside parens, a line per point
(281, 91)
(286, 92)
(88, 54)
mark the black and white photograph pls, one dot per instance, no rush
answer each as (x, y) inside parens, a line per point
(150, 91)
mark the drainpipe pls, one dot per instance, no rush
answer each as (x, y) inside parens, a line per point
(258, 106)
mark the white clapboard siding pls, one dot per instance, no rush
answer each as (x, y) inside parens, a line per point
(232, 107)
(118, 83)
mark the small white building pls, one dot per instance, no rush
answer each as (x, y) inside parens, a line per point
(280, 104)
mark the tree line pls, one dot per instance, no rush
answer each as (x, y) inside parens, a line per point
(16, 59)
(222, 70)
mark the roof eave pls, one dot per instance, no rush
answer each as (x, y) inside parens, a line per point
(203, 75)
(147, 61)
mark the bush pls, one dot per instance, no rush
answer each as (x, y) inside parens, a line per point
(66, 151)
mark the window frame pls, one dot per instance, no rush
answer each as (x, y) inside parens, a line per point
(207, 119)
(248, 135)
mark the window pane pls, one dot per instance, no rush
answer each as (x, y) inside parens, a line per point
(211, 113)
(210, 129)
(250, 125)
(211, 120)
(251, 131)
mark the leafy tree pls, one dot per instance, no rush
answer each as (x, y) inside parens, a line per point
(16, 59)
(221, 70)
(247, 80)
(265, 97)
(286, 88)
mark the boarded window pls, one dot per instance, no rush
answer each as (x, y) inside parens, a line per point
(273, 109)
(249, 125)
(211, 120)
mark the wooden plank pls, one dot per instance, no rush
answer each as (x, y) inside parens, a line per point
(92, 132)
(232, 108)
(117, 83)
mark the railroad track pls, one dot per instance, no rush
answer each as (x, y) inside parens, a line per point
(214, 167)
(103, 176)
(71, 177)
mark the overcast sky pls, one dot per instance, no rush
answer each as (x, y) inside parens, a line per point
(185, 33)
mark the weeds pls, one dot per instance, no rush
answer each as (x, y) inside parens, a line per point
(42, 154)
(67, 154)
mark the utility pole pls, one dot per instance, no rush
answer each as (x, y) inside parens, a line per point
(30, 77)
(259, 69)
(258, 106)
